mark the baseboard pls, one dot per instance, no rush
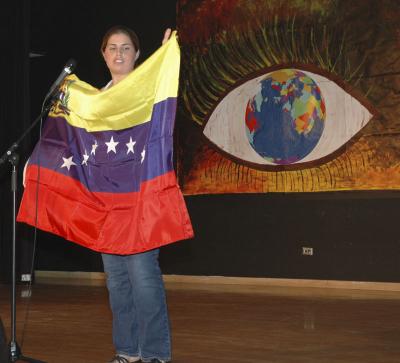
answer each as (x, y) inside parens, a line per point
(275, 282)
(206, 282)
(70, 278)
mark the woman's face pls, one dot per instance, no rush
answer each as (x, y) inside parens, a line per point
(119, 54)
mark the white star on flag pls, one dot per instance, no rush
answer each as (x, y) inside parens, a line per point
(111, 145)
(143, 155)
(130, 146)
(94, 147)
(85, 158)
(68, 163)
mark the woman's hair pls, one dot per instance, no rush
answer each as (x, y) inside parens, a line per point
(117, 29)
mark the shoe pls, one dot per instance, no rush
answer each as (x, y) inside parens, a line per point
(124, 359)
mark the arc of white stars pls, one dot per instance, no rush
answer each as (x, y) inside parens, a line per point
(94, 147)
(85, 158)
(68, 163)
(130, 146)
(111, 145)
(143, 155)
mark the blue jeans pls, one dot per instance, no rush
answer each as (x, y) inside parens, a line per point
(138, 304)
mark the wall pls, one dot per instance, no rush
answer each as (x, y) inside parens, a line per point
(354, 235)
(14, 113)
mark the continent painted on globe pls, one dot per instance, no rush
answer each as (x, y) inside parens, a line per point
(285, 120)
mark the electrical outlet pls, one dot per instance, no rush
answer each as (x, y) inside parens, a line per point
(26, 293)
(307, 251)
(26, 277)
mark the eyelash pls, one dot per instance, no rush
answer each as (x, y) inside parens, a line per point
(311, 179)
(211, 73)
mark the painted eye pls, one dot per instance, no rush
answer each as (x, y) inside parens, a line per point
(285, 117)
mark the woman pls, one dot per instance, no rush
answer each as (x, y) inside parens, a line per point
(141, 329)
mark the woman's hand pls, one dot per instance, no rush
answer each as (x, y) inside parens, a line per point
(24, 174)
(167, 35)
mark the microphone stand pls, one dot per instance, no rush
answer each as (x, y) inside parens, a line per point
(11, 155)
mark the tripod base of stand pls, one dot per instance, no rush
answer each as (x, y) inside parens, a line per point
(16, 356)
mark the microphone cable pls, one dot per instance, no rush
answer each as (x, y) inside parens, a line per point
(32, 266)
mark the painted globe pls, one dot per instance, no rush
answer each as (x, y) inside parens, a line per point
(286, 118)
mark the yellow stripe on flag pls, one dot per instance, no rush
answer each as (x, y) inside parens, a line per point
(128, 103)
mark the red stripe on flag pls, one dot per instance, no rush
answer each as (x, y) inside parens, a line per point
(122, 223)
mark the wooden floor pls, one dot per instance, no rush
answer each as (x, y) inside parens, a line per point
(69, 323)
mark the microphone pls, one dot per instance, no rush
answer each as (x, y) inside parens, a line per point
(68, 69)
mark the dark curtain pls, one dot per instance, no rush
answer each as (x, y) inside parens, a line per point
(14, 115)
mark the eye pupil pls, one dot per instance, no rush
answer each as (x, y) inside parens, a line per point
(284, 120)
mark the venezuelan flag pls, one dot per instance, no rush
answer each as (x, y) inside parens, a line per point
(102, 174)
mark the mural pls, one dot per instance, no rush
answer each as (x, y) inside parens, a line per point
(289, 96)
